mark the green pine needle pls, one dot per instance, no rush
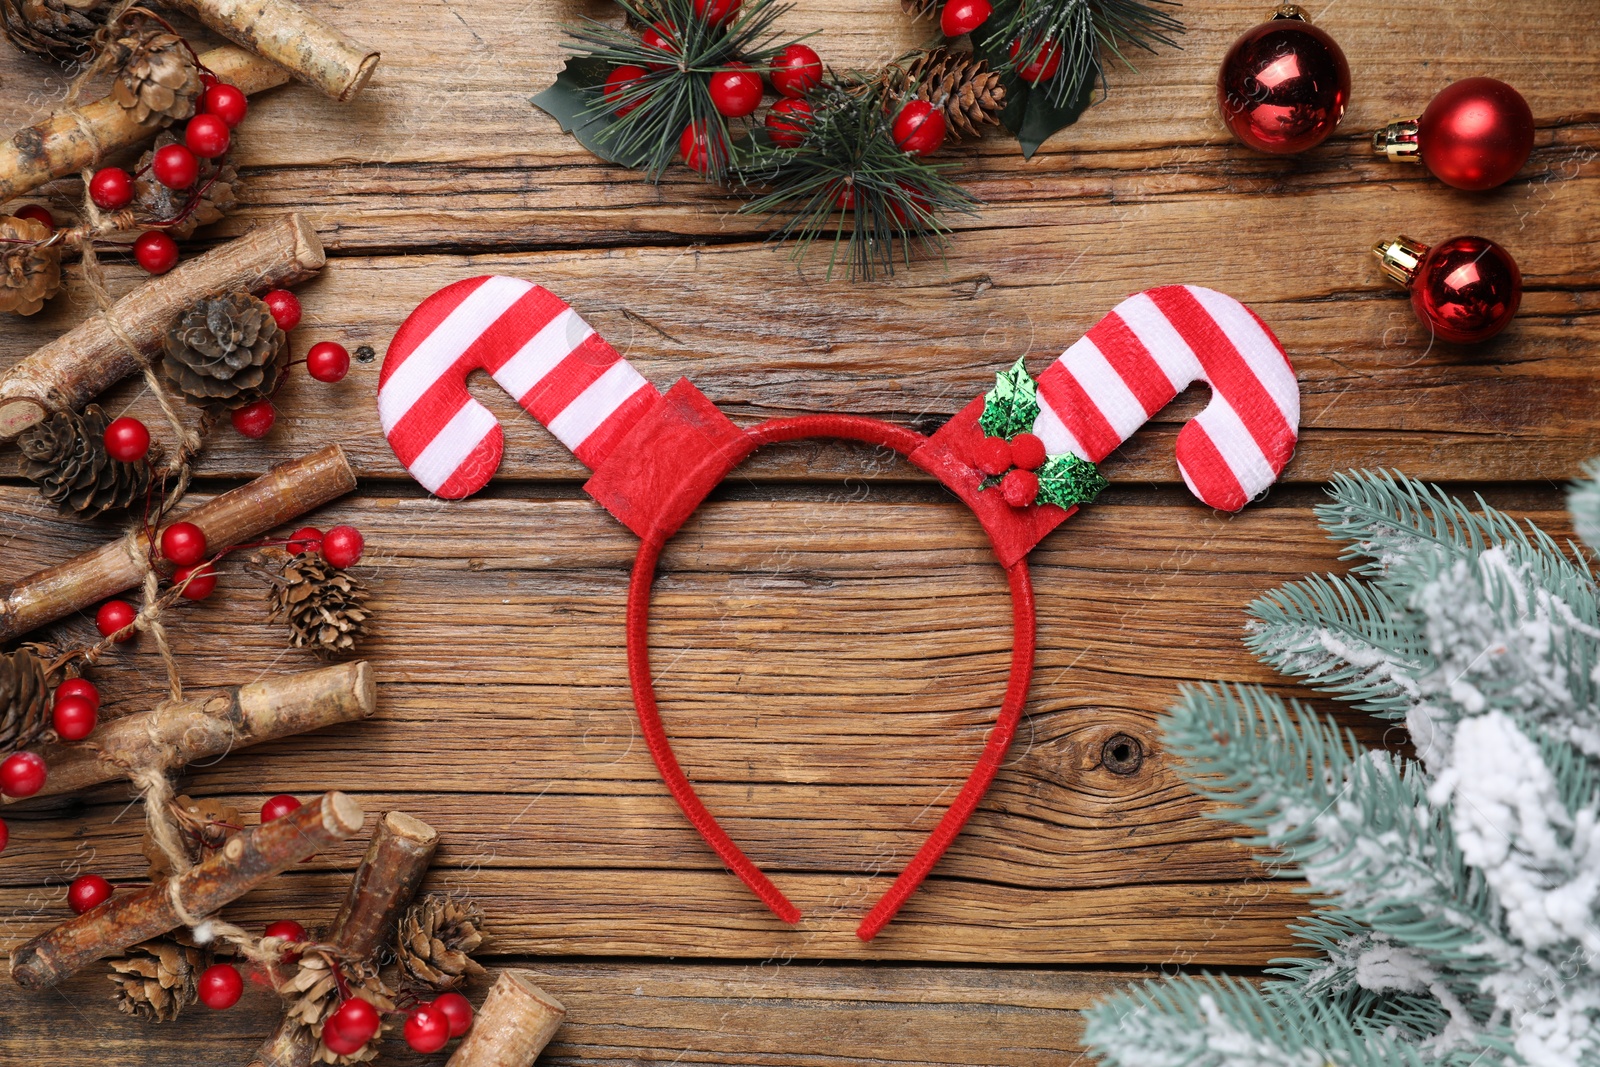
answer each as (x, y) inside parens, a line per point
(1083, 32)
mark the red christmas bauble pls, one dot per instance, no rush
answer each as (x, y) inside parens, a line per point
(1283, 86)
(183, 543)
(736, 92)
(73, 717)
(115, 616)
(79, 687)
(175, 166)
(328, 361)
(787, 121)
(220, 986)
(919, 128)
(1476, 134)
(87, 892)
(207, 136)
(618, 83)
(22, 774)
(1467, 289)
(796, 71)
(964, 16)
(455, 1007)
(111, 188)
(38, 213)
(155, 252)
(277, 807)
(427, 1029)
(227, 102)
(342, 546)
(285, 308)
(255, 419)
(127, 439)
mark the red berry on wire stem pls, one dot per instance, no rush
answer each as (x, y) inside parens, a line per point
(127, 439)
(1027, 451)
(74, 718)
(845, 198)
(1045, 62)
(183, 543)
(618, 83)
(964, 16)
(5, 835)
(207, 80)
(289, 931)
(919, 128)
(458, 1009)
(111, 189)
(717, 12)
(736, 92)
(695, 145)
(87, 892)
(339, 1045)
(175, 166)
(1020, 487)
(79, 687)
(277, 807)
(255, 419)
(796, 71)
(354, 1020)
(155, 252)
(220, 986)
(342, 546)
(195, 583)
(663, 38)
(207, 136)
(285, 308)
(38, 213)
(22, 774)
(427, 1029)
(305, 539)
(993, 455)
(328, 361)
(787, 121)
(114, 617)
(226, 102)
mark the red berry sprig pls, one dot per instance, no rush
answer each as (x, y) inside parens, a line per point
(183, 543)
(736, 92)
(964, 16)
(427, 1029)
(290, 932)
(254, 420)
(796, 71)
(342, 546)
(277, 807)
(220, 986)
(76, 709)
(1014, 463)
(919, 128)
(328, 361)
(114, 619)
(155, 252)
(111, 188)
(22, 774)
(38, 213)
(352, 1024)
(88, 892)
(458, 1010)
(285, 308)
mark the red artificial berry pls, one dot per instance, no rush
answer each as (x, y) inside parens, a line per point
(175, 166)
(305, 539)
(5, 835)
(183, 543)
(696, 145)
(1019, 487)
(220, 986)
(427, 1028)
(993, 455)
(114, 617)
(618, 83)
(79, 687)
(87, 892)
(340, 1045)
(255, 419)
(845, 198)
(155, 252)
(197, 582)
(285, 308)
(207, 136)
(1027, 451)
(919, 128)
(22, 774)
(796, 71)
(787, 122)
(964, 16)
(291, 932)
(328, 361)
(226, 102)
(354, 1020)
(38, 213)
(663, 38)
(73, 717)
(277, 807)
(736, 92)
(342, 545)
(1044, 63)
(207, 80)
(455, 1007)
(127, 439)
(111, 189)
(717, 12)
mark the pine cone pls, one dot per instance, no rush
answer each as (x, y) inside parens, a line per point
(324, 606)
(961, 84)
(226, 350)
(434, 939)
(24, 700)
(30, 273)
(66, 457)
(156, 980)
(312, 993)
(154, 202)
(62, 30)
(158, 80)
(205, 826)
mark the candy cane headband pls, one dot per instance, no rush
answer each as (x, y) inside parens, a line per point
(656, 457)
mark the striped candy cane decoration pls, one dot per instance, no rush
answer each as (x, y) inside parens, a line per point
(1134, 361)
(538, 350)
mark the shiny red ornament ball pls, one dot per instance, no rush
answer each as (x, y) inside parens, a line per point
(796, 71)
(427, 1029)
(277, 807)
(74, 718)
(220, 986)
(328, 361)
(919, 128)
(717, 12)
(787, 121)
(993, 455)
(1044, 64)
(88, 892)
(736, 92)
(1467, 289)
(155, 252)
(457, 1009)
(1283, 86)
(38, 213)
(22, 774)
(111, 188)
(82, 688)
(342, 546)
(354, 1020)
(255, 419)
(964, 16)
(227, 102)
(183, 543)
(1020, 487)
(697, 147)
(197, 582)
(291, 932)
(305, 539)
(618, 82)
(127, 439)
(1027, 451)
(1476, 134)
(175, 166)
(207, 136)
(114, 617)
(285, 308)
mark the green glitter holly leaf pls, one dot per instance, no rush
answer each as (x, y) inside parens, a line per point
(1012, 405)
(1066, 480)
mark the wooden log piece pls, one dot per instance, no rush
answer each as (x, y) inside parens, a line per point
(68, 141)
(176, 735)
(515, 1023)
(283, 493)
(92, 356)
(396, 862)
(248, 859)
(288, 35)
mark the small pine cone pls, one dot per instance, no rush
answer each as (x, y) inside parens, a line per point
(62, 30)
(312, 993)
(325, 607)
(154, 202)
(30, 273)
(204, 826)
(156, 980)
(435, 938)
(158, 81)
(960, 84)
(66, 457)
(24, 700)
(226, 351)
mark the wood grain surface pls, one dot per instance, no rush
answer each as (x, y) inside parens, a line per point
(830, 634)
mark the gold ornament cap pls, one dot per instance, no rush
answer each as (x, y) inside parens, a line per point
(1398, 141)
(1400, 258)
(1288, 11)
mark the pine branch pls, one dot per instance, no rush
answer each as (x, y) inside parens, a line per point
(1082, 33)
(1584, 502)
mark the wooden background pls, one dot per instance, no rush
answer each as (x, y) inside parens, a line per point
(831, 632)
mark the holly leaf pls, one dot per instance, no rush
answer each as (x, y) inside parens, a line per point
(571, 101)
(1012, 405)
(1030, 112)
(1066, 481)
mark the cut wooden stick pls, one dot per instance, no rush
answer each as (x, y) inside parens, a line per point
(393, 868)
(176, 735)
(248, 859)
(516, 1022)
(285, 492)
(290, 36)
(68, 141)
(94, 355)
